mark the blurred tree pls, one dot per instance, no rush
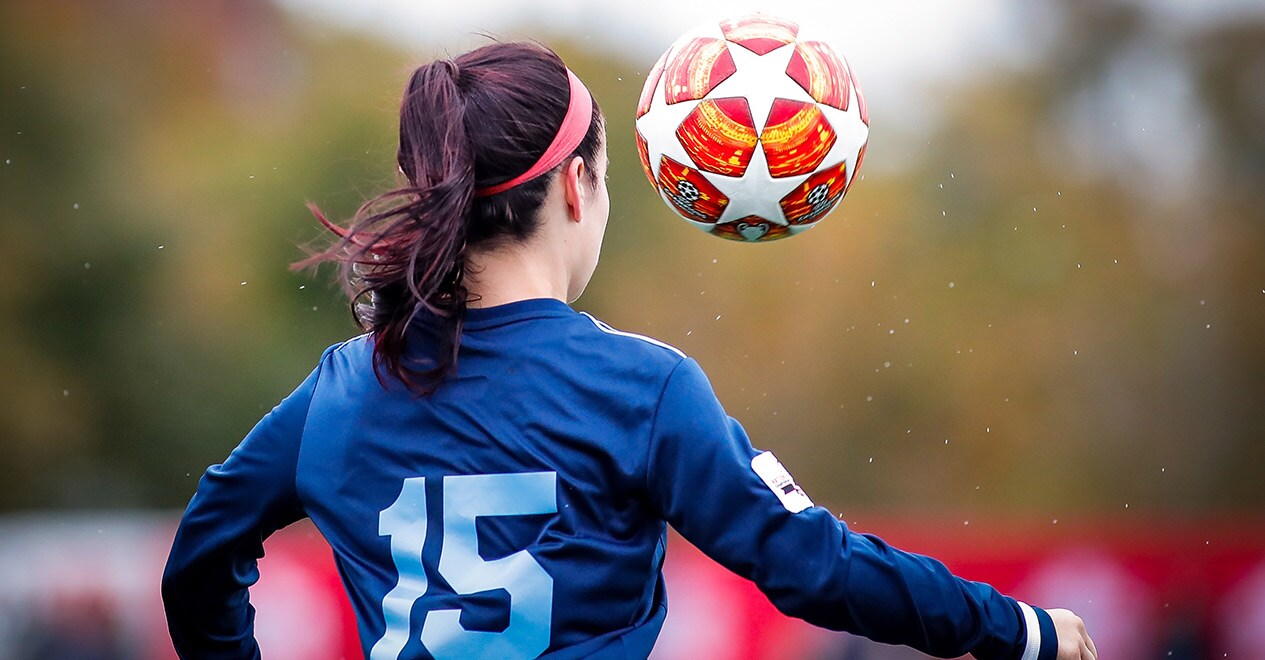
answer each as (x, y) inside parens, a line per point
(1041, 304)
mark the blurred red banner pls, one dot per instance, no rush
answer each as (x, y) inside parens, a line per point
(87, 586)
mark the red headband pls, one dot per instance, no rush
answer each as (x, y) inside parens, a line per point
(575, 125)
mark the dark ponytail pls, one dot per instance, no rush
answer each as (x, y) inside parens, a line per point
(474, 121)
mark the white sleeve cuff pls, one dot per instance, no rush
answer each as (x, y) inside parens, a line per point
(1033, 647)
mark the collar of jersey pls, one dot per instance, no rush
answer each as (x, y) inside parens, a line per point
(486, 317)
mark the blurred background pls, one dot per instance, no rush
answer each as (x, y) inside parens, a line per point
(1030, 342)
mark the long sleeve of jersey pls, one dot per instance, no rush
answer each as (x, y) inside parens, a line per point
(238, 504)
(810, 565)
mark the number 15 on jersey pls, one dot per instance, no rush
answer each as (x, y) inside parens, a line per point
(530, 588)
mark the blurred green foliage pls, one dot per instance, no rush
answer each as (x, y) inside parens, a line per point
(1016, 310)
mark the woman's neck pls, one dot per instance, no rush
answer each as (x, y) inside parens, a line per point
(506, 275)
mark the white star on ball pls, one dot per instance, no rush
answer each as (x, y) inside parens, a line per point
(761, 79)
(658, 126)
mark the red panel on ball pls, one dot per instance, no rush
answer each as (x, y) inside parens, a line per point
(689, 192)
(719, 136)
(652, 82)
(814, 198)
(699, 66)
(816, 67)
(751, 228)
(758, 33)
(643, 150)
(796, 138)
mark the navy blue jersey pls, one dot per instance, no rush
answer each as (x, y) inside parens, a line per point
(521, 510)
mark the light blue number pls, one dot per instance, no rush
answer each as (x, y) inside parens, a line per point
(405, 522)
(530, 588)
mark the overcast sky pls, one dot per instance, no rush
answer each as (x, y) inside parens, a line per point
(895, 45)
(906, 52)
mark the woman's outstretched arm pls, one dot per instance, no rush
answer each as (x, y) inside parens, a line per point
(739, 506)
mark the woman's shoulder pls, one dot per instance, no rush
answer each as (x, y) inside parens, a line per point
(347, 349)
(639, 346)
(360, 342)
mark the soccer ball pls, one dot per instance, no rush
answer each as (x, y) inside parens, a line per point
(751, 129)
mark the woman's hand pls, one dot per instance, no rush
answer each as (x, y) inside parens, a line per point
(1074, 642)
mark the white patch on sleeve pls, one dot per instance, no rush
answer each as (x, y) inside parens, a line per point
(779, 481)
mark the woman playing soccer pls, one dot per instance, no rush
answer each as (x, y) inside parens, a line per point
(495, 471)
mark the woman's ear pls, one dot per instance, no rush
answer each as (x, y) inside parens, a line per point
(574, 188)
